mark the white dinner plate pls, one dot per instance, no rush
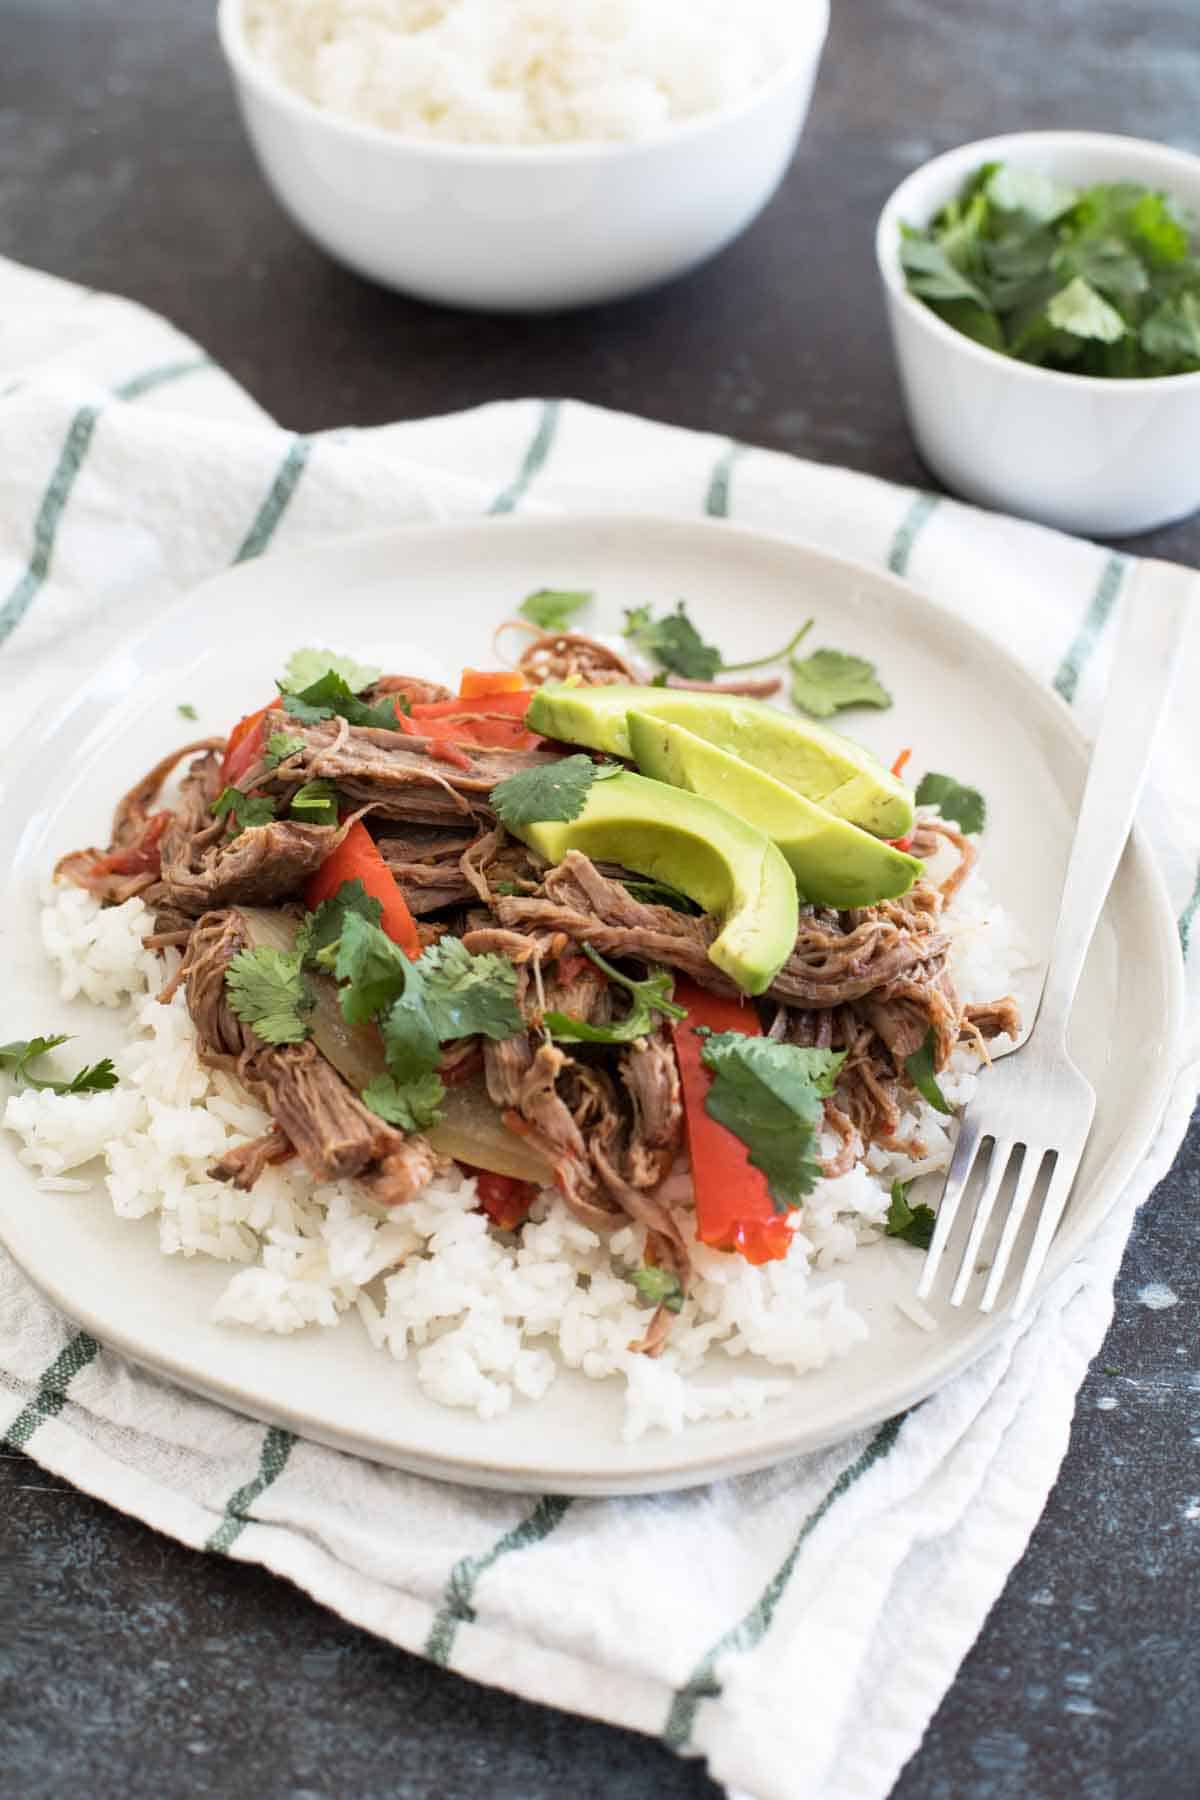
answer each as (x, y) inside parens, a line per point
(427, 600)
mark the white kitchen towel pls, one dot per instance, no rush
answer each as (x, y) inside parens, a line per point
(131, 468)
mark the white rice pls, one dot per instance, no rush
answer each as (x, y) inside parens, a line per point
(522, 71)
(487, 1319)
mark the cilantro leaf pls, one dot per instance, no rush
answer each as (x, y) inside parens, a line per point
(653, 995)
(555, 791)
(410, 1105)
(246, 810)
(268, 992)
(829, 680)
(551, 609)
(466, 994)
(930, 272)
(914, 1224)
(280, 745)
(1172, 331)
(920, 1069)
(332, 697)
(410, 1039)
(374, 969)
(321, 929)
(769, 1095)
(1030, 192)
(316, 803)
(673, 642)
(966, 806)
(658, 1286)
(308, 666)
(656, 893)
(1079, 309)
(186, 710)
(16, 1057)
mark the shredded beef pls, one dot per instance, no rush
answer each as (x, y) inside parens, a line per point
(132, 862)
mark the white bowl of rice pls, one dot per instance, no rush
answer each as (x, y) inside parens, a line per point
(523, 155)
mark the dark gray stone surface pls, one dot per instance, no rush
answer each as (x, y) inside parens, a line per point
(129, 1665)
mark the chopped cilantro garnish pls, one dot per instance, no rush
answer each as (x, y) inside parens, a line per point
(245, 810)
(316, 803)
(186, 710)
(914, 1224)
(964, 805)
(268, 992)
(1103, 280)
(770, 1095)
(653, 995)
(308, 666)
(16, 1057)
(410, 1105)
(555, 791)
(281, 745)
(552, 609)
(374, 969)
(673, 641)
(829, 680)
(920, 1068)
(320, 930)
(761, 662)
(505, 888)
(466, 994)
(658, 1286)
(660, 893)
(332, 697)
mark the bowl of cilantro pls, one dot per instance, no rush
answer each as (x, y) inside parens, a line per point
(1043, 291)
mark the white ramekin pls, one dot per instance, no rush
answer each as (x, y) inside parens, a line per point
(526, 228)
(1077, 451)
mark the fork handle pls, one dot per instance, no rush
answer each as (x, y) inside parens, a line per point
(1154, 614)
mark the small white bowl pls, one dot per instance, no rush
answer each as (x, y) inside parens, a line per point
(1080, 452)
(523, 228)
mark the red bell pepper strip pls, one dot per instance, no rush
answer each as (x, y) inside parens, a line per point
(514, 704)
(504, 1199)
(898, 765)
(247, 743)
(358, 858)
(476, 683)
(734, 1209)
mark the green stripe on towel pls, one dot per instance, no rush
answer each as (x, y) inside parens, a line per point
(703, 1684)
(457, 1602)
(149, 379)
(58, 492)
(716, 501)
(272, 1460)
(1070, 670)
(909, 530)
(1187, 917)
(533, 460)
(279, 494)
(51, 1394)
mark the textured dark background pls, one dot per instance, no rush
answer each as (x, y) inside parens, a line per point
(129, 1665)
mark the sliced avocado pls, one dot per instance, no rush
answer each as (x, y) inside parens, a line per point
(820, 764)
(716, 859)
(835, 864)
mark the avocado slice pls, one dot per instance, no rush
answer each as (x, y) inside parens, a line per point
(715, 858)
(820, 764)
(835, 864)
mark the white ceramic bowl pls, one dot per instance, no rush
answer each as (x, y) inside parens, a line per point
(1076, 451)
(523, 228)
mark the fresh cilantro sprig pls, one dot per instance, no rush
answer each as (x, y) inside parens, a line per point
(1103, 280)
(677, 646)
(266, 988)
(281, 745)
(965, 806)
(305, 667)
(921, 1069)
(316, 803)
(331, 696)
(556, 791)
(15, 1060)
(552, 609)
(913, 1224)
(658, 1286)
(769, 1095)
(186, 710)
(653, 995)
(321, 929)
(245, 810)
(409, 1105)
(829, 680)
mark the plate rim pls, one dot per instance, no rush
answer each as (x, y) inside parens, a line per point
(663, 1470)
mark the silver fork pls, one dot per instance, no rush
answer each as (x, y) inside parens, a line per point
(1035, 1102)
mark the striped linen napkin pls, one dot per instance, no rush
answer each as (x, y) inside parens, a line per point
(131, 468)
